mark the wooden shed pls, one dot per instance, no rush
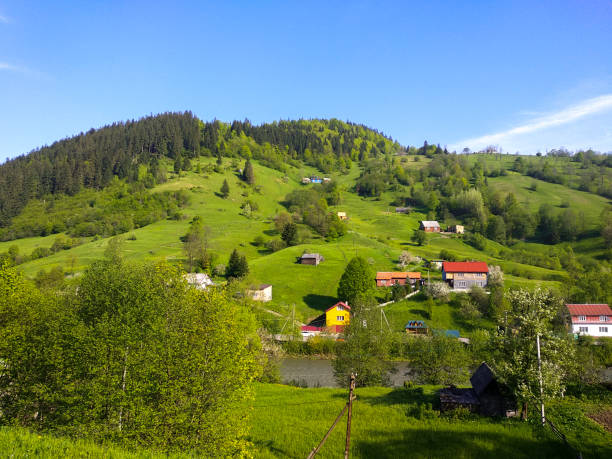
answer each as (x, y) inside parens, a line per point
(310, 259)
(486, 396)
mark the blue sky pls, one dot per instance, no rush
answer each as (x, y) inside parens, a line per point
(527, 76)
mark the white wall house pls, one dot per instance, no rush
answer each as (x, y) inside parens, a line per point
(200, 281)
(261, 293)
(591, 319)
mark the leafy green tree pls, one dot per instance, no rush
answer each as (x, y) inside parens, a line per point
(357, 281)
(531, 314)
(196, 244)
(225, 189)
(419, 237)
(439, 360)
(247, 174)
(290, 234)
(365, 350)
(237, 266)
(128, 359)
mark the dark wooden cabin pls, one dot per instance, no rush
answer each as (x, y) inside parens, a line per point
(486, 396)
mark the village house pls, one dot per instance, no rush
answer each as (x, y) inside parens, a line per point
(262, 292)
(305, 180)
(459, 229)
(590, 319)
(430, 226)
(342, 216)
(403, 210)
(338, 316)
(200, 281)
(387, 279)
(311, 259)
(465, 274)
(486, 396)
(416, 327)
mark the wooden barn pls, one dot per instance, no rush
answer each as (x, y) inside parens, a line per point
(486, 396)
(430, 226)
(310, 259)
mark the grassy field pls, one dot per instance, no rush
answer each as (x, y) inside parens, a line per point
(289, 422)
(19, 443)
(375, 232)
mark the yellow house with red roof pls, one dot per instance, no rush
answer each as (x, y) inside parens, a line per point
(338, 315)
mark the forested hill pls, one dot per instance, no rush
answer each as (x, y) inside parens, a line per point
(133, 150)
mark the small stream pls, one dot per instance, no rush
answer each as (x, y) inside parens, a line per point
(319, 372)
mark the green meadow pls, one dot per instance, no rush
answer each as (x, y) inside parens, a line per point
(375, 232)
(288, 422)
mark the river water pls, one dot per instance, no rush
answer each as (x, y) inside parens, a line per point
(319, 372)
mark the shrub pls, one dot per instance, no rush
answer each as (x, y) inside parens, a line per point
(438, 290)
(274, 245)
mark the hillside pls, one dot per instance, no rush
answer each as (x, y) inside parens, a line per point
(153, 209)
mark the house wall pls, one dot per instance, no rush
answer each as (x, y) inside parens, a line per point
(331, 317)
(309, 261)
(391, 282)
(430, 229)
(465, 280)
(261, 295)
(592, 329)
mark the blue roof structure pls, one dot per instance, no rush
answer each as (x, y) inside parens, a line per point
(416, 324)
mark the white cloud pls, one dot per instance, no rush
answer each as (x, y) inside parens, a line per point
(11, 67)
(524, 135)
(4, 19)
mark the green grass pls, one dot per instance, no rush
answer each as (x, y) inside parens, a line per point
(289, 422)
(375, 232)
(20, 443)
(551, 193)
(445, 316)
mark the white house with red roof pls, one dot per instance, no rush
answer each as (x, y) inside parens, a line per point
(464, 274)
(591, 319)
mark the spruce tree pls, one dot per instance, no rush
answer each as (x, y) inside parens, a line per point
(237, 267)
(225, 189)
(247, 174)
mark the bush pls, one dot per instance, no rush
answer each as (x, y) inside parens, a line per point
(438, 290)
(274, 245)
(477, 241)
(447, 256)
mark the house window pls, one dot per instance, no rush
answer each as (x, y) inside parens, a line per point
(583, 329)
(603, 329)
(582, 318)
(340, 308)
(603, 318)
(340, 318)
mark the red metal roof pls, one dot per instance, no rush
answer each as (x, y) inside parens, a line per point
(465, 267)
(397, 275)
(589, 309)
(340, 303)
(310, 328)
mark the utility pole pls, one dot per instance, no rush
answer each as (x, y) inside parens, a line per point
(350, 416)
(540, 377)
(349, 407)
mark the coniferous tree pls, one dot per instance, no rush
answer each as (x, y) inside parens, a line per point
(225, 189)
(289, 234)
(237, 267)
(247, 174)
